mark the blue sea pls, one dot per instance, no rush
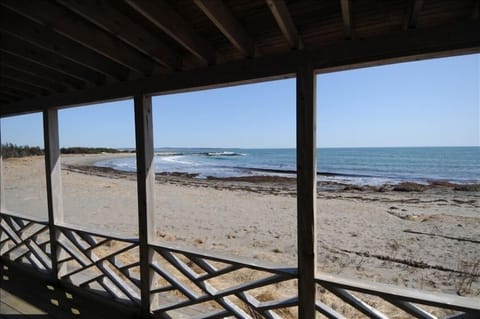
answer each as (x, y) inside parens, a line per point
(362, 166)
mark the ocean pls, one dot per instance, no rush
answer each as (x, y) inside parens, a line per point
(361, 166)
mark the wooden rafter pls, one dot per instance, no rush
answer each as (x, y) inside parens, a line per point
(15, 92)
(224, 20)
(414, 8)
(346, 17)
(169, 21)
(46, 38)
(106, 16)
(21, 87)
(39, 70)
(21, 48)
(10, 72)
(9, 95)
(76, 28)
(285, 22)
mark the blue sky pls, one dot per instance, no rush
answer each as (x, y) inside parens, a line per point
(426, 103)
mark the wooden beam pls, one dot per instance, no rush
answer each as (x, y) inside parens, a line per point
(145, 185)
(44, 37)
(414, 9)
(8, 96)
(285, 22)
(347, 20)
(169, 21)
(15, 46)
(22, 85)
(11, 94)
(54, 183)
(29, 78)
(476, 9)
(20, 88)
(106, 16)
(13, 91)
(224, 20)
(306, 190)
(413, 45)
(39, 70)
(76, 28)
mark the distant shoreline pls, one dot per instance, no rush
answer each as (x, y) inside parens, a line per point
(270, 183)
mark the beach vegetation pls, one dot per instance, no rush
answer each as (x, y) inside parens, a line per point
(10, 150)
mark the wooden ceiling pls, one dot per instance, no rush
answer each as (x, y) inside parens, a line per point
(56, 53)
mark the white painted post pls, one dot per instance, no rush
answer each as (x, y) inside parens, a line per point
(306, 189)
(145, 184)
(54, 184)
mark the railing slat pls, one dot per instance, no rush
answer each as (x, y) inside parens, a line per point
(411, 309)
(356, 303)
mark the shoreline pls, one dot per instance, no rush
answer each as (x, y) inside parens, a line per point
(283, 183)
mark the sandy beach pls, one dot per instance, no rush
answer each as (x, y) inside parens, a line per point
(428, 238)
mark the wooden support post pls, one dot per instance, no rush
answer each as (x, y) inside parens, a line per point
(306, 190)
(54, 183)
(145, 183)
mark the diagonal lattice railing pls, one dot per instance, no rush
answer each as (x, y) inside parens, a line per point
(195, 284)
(25, 240)
(107, 265)
(411, 302)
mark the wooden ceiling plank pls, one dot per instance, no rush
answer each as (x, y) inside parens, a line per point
(20, 86)
(5, 70)
(225, 21)
(285, 22)
(106, 16)
(414, 9)
(81, 31)
(10, 95)
(34, 68)
(31, 86)
(346, 17)
(8, 73)
(13, 45)
(27, 30)
(169, 21)
(13, 91)
(6, 100)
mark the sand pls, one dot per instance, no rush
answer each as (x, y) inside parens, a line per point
(427, 239)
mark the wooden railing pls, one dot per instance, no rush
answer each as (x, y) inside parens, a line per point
(185, 283)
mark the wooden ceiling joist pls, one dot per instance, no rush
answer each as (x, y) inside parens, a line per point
(224, 20)
(106, 16)
(15, 46)
(44, 37)
(78, 29)
(10, 95)
(15, 92)
(414, 9)
(284, 20)
(32, 67)
(162, 15)
(22, 84)
(11, 73)
(346, 17)
(23, 87)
